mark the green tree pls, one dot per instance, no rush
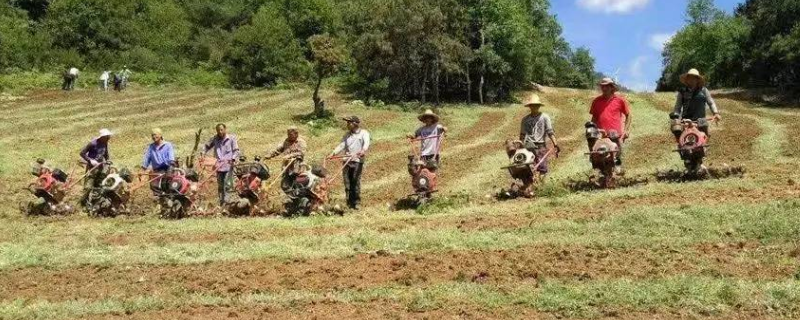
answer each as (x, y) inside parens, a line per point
(327, 55)
(264, 51)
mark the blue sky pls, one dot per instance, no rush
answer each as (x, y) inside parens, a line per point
(625, 36)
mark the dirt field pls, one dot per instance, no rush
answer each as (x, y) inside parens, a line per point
(717, 249)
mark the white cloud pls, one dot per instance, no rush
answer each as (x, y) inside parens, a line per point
(613, 6)
(636, 66)
(659, 40)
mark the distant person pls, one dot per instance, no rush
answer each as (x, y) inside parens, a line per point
(226, 150)
(293, 150)
(73, 74)
(692, 100)
(355, 145)
(117, 82)
(611, 112)
(104, 77)
(429, 136)
(124, 75)
(535, 128)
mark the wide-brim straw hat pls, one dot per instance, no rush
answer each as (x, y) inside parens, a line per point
(608, 82)
(105, 133)
(693, 73)
(532, 100)
(428, 114)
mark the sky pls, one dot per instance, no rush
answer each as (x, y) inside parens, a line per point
(625, 36)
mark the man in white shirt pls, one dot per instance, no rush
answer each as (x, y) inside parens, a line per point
(355, 145)
(104, 80)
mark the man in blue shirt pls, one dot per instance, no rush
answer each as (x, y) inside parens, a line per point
(160, 155)
(158, 158)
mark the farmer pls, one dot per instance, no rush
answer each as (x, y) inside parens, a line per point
(124, 75)
(94, 155)
(611, 112)
(430, 136)
(293, 149)
(73, 76)
(534, 129)
(692, 100)
(160, 155)
(354, 145)
(226, 150)
(104, 77)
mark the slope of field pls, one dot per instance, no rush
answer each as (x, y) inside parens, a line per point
(716, 249)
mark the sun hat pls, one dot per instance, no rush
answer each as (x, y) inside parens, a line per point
(157, 131)
(693, 73)
(428, 113)
(292, 129)
(608, 82)
(352, 119)
(105, 133)
(533, 100)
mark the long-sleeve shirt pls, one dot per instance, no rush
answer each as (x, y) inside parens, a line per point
(691, 104)
(159, 156)
(295, 148)
(354, 143)
(96, 151)
(225, 149)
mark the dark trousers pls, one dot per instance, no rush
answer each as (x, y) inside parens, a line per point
(222, 186)
(618, 141)
(352, 182)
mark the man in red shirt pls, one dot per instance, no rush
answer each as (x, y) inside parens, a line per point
(609, 112)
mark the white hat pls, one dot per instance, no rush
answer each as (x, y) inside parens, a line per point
(105, 133)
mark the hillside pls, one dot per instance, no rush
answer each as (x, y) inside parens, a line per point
(713, 249)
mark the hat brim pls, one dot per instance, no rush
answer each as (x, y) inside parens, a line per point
(534, 104)
(685, 77)
(422, 117)
(603, 84)
(348, 120)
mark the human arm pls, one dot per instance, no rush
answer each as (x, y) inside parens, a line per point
(712, 105)
(146, 162)
(339, 148)
(85, 155)
(235, 154)
(626, 111)
(365, 144)
(678, 109)
(548, 126)
(170, 153)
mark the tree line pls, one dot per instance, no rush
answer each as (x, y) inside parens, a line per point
(426, 50)
(756, 46)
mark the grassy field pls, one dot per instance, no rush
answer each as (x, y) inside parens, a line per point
(717, 249)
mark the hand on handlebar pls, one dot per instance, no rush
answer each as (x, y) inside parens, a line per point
(716, 118)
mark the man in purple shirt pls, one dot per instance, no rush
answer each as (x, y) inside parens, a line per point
(94, 155)
(226, 150)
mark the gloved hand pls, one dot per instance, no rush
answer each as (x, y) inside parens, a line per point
(93, 162)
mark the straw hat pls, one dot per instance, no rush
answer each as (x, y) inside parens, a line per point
(608, 82)
(156, 132)
(693, 73)
(428, 113)
(105, 133)
(532, 100)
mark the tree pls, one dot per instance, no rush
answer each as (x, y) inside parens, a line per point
(327, 55)
(264, 51)
(700, 12)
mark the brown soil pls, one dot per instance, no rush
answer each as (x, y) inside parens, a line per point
(327, 309)
(525, 265)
